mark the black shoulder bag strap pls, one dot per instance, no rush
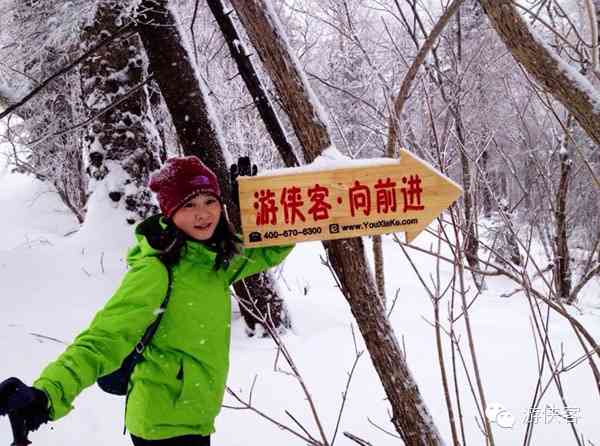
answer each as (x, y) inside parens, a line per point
(117, 382)
(138, 353)
(141, 345)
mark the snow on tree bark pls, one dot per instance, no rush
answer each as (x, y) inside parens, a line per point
(200, 134)
(593, 7)
(126, 135)
(347, 256)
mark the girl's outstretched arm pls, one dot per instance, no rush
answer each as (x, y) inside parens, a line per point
(111, 336)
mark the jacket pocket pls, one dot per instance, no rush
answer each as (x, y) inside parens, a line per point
(199, 395)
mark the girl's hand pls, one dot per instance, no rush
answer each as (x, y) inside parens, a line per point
(26, 406)
(243, 167)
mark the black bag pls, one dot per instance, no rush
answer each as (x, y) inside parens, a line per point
(117, 382)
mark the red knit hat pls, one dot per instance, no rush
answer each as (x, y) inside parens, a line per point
(180, 180)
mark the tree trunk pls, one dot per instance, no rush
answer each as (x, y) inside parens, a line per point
(125, 136)
(573, 90)
(378, 259)
(199, 133)
(562, 258)
(596, 35)
(347, 256)
(489, 179)
(471, 240)
(473, 19)
(562, 269)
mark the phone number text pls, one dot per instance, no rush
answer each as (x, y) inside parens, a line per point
(292, 232)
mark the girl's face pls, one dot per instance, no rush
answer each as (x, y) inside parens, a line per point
(198, 217)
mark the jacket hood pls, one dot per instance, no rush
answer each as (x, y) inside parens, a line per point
(148, 235)
(150, 239)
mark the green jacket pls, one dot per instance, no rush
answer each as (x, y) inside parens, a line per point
(178, 388)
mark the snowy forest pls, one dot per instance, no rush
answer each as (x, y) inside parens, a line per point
(483, 331)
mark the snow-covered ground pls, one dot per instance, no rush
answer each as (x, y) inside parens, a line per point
(52, 284)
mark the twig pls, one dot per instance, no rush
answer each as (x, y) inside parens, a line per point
(356, 439)
(282, 426)
(268, 324)
(512, 293)
(251, 394)
(446, 259)
(345, 392)
(376, 426)
(470, 337)
(192, 32)
(37, 335)
(288, 413)
(393, 303)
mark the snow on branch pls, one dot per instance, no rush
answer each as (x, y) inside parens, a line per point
(593, 13)
(67, 68)
(561, 80)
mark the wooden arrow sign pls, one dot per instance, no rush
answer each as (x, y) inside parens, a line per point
(403, 195)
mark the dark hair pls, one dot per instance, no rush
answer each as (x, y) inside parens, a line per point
(224, 241)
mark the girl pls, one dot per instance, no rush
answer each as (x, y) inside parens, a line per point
(175, 393)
